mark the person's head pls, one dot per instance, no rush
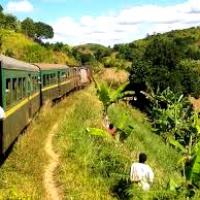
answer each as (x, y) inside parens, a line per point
(142, 158)
(111, 126)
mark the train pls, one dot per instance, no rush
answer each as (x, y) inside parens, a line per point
(26, 87)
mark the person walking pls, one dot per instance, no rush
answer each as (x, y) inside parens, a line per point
(142, 173)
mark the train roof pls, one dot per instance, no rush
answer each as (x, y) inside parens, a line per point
(11, 63)
(46, 66)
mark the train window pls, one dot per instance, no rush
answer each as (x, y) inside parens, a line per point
(51, 78)
(8, 92)
(36, 84)
(67, 74)
(33, 83)
(54, 78)
(44, 80)
(19, 89)
(14, 88)
(24, 87)
(48, 79)
(62, 76)
(30, 85)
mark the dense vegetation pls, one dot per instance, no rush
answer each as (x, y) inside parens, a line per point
(95, 166)
(164, 73)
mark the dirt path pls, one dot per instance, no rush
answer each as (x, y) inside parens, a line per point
(52, 190)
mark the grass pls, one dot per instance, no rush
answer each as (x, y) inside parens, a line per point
(77, 149)
(21, 176)
(98, 168)
(162, 158)
(113, 76)
(91, 167)
(23, 48)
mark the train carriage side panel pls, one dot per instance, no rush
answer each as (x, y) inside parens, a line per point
(51, 80)
(21, 102)
(65, 81)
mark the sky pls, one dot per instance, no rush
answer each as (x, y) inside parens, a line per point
(107, 22)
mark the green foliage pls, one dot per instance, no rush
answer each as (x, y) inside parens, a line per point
(188, 71)
(124, 51)
(195, 168)
(9, 52)
(1, 8)
(96, 167)
(28, 27)
(8, 21)
(1, 42)
(36, 30)
(165, 60)
(43, 31)
(97, 132)
(174, 119)
(35, 53)
(184, 78)
(173, 116)
(107, 95)
(162, 52)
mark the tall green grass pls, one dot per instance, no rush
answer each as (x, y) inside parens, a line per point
(98, 168)
(21, 176)
(91, 167)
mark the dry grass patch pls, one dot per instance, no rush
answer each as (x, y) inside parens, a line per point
(114, 76)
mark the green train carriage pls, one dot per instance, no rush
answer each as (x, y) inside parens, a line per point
(25, 87)
(56, 80)
(20, 97)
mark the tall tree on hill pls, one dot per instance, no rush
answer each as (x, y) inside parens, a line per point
(28, 27)
(43, 31)
(162, 51)
(10, 22)
(1, 8)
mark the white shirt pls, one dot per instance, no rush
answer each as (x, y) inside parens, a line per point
(142, 174)
(2, 113)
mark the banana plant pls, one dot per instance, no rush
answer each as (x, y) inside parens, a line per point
(108, 95)
(190, 160)
(96, 132)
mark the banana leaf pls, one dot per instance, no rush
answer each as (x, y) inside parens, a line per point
(97, 132)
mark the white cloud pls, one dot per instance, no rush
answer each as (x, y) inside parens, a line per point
(128, 24)
(19, 6)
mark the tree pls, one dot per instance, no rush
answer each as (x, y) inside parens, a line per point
(1, 43)
(2, 20)
(28, 27)
(108, 95)
(43, 31)
(10, 22)
(86, 58)
(1, 8)
(125, 51)
(163, 51)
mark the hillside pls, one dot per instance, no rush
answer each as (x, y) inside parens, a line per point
(187, 40)
(22, 47)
